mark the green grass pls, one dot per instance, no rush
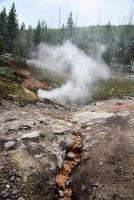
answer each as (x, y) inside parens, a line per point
(7, 72)
(114, 88)
(17, 92)
(10, 85)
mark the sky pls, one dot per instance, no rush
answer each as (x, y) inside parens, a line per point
(88, 12)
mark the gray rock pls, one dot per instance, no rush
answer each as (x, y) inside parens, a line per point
(7, 186)
(61, 193)
(12, 178)
(4, 153)
(9, 145)
(4, 193)
(4, 181)
(15, 191)
(60, 126)
(21, 198)
(71, 155)
(85, 117)
(30, 135)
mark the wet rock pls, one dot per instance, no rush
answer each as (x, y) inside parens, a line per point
(9, 145)
(61, 180)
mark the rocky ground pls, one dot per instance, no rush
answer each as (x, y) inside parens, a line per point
(51, 151)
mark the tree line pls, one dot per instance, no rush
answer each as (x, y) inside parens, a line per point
(21, 41)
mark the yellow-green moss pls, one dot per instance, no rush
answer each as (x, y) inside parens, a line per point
(17, 92)
(114, 88)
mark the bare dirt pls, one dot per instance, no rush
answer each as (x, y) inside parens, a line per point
(93, 146)
(106, 170)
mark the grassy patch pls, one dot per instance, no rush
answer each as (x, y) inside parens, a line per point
(7, 72)
(11, 87)
(2, 62)
(114, 88)
(17, 92)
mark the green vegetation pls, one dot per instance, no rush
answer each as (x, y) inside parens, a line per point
(21, 41)
(17, 43)
(16, 92)
(113, 88)
(7, 72)
(11, 87)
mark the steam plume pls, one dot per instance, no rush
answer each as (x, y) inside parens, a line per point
(68, 59)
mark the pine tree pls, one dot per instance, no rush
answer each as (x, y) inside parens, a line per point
(3, 30)
(70, 25)
(21, 45)
(62, 33)
(44, 35)
(22, 26)
(38, 34)
(29, 39)
(108, 41)
(12, 30)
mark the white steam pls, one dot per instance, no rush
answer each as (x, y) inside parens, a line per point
(68, 59)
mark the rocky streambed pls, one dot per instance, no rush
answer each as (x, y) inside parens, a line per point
(49, 151)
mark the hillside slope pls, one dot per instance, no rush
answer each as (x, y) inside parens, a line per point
(54, 151)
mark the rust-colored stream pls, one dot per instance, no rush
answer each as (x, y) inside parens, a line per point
(62, 178)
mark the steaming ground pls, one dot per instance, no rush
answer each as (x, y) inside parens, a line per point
(38, 141)
(81, 69)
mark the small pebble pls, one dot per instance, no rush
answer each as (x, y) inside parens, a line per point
(15, 191)
(7, 186)
(12, 178)
(71, 155)
(9, 145)
(4, 193)
(21, 198)
(61, 193)
(4, 181)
